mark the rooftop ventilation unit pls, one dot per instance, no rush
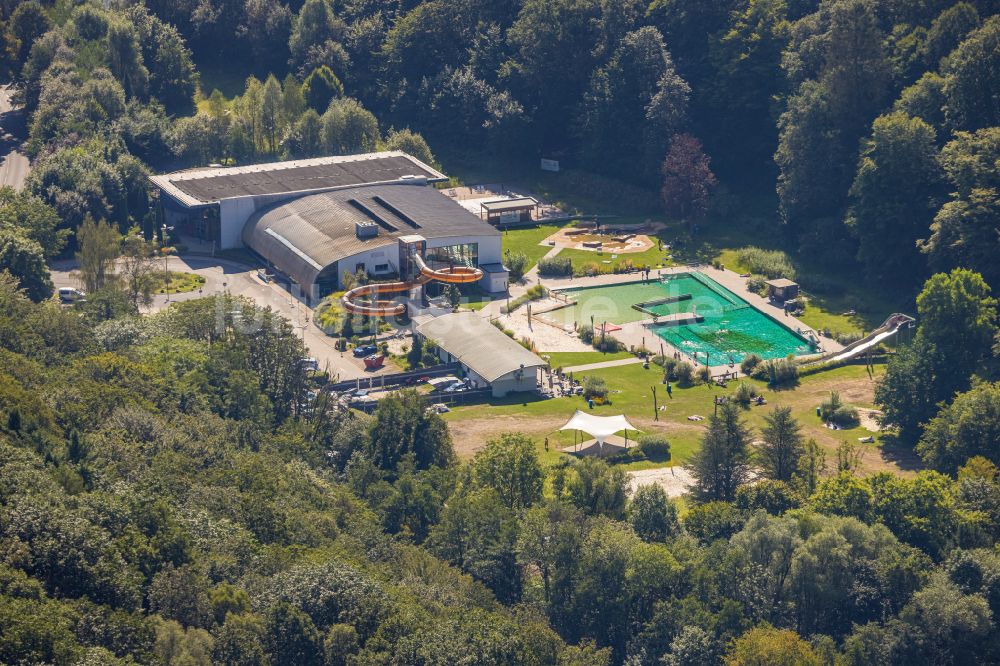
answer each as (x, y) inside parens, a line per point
(365, 229)
(373, 216)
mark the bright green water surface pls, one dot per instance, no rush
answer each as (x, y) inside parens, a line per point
(731, 329)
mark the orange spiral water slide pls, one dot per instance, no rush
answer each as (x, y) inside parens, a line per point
(364, 300)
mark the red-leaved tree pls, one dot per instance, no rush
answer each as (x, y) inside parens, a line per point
(687, 179)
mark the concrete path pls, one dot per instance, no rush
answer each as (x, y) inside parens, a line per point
(239, 279)
(13, 164)
(604, 364)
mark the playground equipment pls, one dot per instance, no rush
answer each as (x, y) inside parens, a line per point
(364, 300)
(889, 328)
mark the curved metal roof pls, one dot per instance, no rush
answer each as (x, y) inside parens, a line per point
(305, 236)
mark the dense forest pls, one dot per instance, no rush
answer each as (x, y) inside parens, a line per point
(169, 495)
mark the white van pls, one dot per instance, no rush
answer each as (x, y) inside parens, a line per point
(71, 295)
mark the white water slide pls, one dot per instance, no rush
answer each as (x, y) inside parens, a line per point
(891, 327)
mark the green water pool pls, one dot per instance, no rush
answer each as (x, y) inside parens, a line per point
(731, 328)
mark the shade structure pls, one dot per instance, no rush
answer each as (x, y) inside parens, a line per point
(598, 427)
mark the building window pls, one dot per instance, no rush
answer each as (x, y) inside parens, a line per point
(466, 254)
(381, 268)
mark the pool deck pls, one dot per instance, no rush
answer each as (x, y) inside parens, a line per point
(637, 334)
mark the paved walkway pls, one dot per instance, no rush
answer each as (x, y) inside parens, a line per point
(604, 364)
(225, 276)
(13, 163)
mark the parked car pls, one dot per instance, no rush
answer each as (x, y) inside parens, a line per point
(309, 363)
(361, 393)
(365, 350)
(71, 295)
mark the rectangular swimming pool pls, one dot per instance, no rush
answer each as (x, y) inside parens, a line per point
(730, 328)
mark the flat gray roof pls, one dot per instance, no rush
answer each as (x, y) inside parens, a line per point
(199, 187)
(304, 236)
(478, 345)
(502, 205)
(781, 283)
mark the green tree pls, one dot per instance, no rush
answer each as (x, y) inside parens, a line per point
(969, 426)
(632, 107)
(767, 646)
(271, 118)
(722, 464)
(28, 22)
(948, 625)
(598, 488)
(315, 25)
(947, 31)
(410, 143)
(402, 426)
(321, 87)
(896, 192)
(972, 74)
(291, 637)
(782, 447)
(125, 59)
(509, 465)
(99, 248)
(480, 538)
(652, 515)
(746, 57)
(25, 260)
(348, 128)
(964, 230)
(240, 641)
(957, 324)
(32, 217)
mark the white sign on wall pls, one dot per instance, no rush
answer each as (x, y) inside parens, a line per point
(550, 165)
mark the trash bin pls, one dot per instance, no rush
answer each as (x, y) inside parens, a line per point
(590, 403)
(819, 411)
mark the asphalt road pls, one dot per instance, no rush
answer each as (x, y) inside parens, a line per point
(13, 163)
(238, 279)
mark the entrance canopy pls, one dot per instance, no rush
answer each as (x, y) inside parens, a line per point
(599, 427)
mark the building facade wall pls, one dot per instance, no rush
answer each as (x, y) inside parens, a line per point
(510, 383)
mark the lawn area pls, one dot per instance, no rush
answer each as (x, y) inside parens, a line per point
(828, 311)
(526, 240)
(631, 394)
(475, 301)
(175, 282)
(651, 257)
(569, 359)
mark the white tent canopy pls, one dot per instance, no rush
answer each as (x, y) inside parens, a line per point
(599, 427)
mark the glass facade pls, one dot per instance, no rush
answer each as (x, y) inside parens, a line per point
(466, 254)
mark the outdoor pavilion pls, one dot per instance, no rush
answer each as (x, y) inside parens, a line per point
(601, 428)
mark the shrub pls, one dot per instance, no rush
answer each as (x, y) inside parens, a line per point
(670, 368)
(555, 267)
(834, 410)
(775, 497)
(684, 372)
(595, 388)
(750, 362)
(534, 293)
(847, 338)
(590, 269)
(745, 393)
(704, 374)
(517, 264)
(771, 263)
(777, 372)
(655, 446)
(757, 285)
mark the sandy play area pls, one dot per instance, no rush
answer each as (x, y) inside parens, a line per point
(620, 242)
(675, 480)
